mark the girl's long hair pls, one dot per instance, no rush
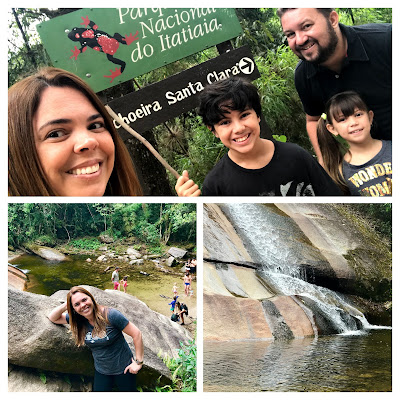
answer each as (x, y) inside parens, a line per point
(25, 173)
(78, 323)
(332, 150)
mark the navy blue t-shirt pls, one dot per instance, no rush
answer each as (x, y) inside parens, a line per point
(111, 353)
(374, 178)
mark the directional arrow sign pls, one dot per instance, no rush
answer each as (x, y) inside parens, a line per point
(157, 103)
(246, 65)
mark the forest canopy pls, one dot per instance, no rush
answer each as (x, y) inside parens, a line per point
(151, 223)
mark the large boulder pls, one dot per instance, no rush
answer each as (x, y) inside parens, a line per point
(221, 242)
(132, 253)
(360, 262)
(176, 252)
(321, 242)
(328, 249)
(48, 253)
(21, 379)
(104, 238)
(34, 341)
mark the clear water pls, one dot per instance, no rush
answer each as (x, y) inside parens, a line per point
(359, 363)
(47, 277)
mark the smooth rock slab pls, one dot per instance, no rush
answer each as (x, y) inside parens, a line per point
(34, 341)
(48, 253)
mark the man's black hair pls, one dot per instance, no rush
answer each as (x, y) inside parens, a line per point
(326, 12)
(230, 94)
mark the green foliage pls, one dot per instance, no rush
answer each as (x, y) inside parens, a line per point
(43, 377)
(203, 150)
(152, 223)
(147, 232)
(281, 138)
(45, 240)
(359, 16)
(66, 379)
(165, 388)
(380, 214)
(85, 243)
(280, 103)
(156, 249)
(24, 56)
(184, 368)
(261, 29)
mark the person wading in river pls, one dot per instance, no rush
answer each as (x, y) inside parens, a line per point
(115, 278)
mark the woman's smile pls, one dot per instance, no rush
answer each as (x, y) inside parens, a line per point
(75, 149)
(85, 170)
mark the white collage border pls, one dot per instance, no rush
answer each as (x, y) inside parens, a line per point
(199, 201)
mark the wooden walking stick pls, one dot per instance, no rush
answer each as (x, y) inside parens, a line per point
(153, 151)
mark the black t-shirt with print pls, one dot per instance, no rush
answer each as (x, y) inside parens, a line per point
(291, 172)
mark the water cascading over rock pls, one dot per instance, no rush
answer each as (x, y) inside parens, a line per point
(300, 276)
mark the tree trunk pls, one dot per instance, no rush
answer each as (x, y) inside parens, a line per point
(28, 49)
(151, 174)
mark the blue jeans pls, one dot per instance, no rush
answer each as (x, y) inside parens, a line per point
(124, 382)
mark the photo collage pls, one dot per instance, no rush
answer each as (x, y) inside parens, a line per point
(200, 200)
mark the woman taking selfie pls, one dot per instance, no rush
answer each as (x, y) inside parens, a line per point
(62, 142)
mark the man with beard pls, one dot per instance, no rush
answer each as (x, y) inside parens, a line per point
(335, 58)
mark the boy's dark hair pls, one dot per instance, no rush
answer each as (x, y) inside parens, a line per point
(219, 98)
(326, 12)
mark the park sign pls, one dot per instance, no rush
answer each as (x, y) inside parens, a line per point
(159, 102)
(108, 46)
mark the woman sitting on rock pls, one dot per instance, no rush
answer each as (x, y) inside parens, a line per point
(100, 328)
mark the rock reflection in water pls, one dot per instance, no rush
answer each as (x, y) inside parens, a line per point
(330, 363)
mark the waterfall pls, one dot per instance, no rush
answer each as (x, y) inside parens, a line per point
(261, 233)
(270, 238)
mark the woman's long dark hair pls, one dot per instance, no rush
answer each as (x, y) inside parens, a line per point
(25, 173)
(332, 150)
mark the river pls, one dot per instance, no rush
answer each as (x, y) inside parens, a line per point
(359, 363)
(154, 287)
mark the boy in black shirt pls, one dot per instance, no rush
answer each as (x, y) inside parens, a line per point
(253, 166)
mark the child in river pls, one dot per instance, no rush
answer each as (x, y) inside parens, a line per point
(362, 166)
(175, 289)
(124, 282)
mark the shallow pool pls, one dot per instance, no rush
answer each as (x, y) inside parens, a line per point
(326, 364)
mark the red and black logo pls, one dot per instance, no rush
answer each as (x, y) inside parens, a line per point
(100, 41)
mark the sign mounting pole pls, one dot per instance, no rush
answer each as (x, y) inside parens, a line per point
(144, 141)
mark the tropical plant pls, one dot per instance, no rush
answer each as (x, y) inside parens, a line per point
(184, 368)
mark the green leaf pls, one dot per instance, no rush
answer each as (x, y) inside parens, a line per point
(43, 377)
(280, 138)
